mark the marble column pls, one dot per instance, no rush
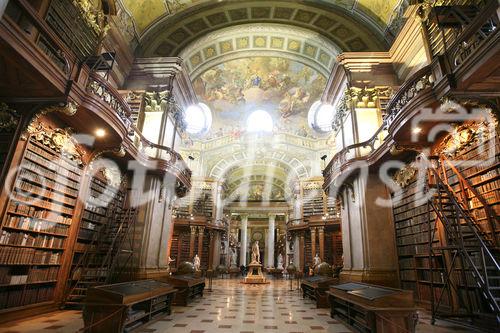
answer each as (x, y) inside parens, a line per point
(302, 243)
(321, 235)
(270, 240)
(201, 232)
(153, 229)
(244, 240)
(191, 243)
(313, 242)
(368, 235)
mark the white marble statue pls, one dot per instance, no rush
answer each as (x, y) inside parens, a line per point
(233, 258)
(256, 252)
(280, 262)
(316, 260)
(196, 262)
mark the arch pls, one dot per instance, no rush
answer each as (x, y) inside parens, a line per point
(168, 35)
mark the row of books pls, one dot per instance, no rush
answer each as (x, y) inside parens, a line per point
(34, 224)
(95, 209)
(414, 239)
(404, 212)
(406, 263)
(28, 256)
(99, 202)
(50, 166)
(15, 297)
(51, 155)
(37, 191)
(407, 275)
(110, 192)
(424, 275)
(97, 218)
(48, 215)
(480, 149)
(28, 175)
(413, 229)
(418, 220)
(48, 174)
(490, 197)
(24, 239)
(413, 249)
(88, 225)
(42, 203)
(33, 275)
(485, 176)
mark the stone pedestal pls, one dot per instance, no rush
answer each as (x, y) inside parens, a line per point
(254, 275)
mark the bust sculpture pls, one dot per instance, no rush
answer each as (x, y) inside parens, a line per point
(196, 262)
(316, 260)
(256, 252)
(280, 262)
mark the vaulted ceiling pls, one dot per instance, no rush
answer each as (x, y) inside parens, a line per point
(165, 27)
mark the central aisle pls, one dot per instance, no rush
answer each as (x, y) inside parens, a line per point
(234, 307)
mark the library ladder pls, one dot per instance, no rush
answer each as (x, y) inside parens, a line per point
(107, 246)
(473, 255)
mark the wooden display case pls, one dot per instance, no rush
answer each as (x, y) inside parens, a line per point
(188, 287)
(315, 288)
(370, 308)
(124, 307)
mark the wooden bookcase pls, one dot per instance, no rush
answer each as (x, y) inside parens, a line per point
(314, 202)
(411, 226)
(101, 213)
(412, 241)
(36, 225)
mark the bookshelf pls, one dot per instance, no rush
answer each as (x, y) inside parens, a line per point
(412, 241)
(313, 202)
(36, 225)
(102, 209)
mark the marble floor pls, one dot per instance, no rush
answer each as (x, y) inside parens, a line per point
(233, 308)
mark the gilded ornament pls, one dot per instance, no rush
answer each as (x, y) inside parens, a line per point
(405, 176)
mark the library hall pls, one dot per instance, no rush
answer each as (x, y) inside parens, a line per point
(249, 166)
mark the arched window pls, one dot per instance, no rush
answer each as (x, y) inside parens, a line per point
(198, 119)
(260, 121)
(320, 117)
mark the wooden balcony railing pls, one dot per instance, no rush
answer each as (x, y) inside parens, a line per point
(354, 151)
(419, 81)
(476, 21)
(100, 88)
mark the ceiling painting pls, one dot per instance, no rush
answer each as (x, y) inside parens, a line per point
(284, 88)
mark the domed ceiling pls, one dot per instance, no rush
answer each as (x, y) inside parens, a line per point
(284, 88)
(165, 27)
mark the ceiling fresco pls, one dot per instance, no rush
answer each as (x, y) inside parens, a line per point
(284, 88)
(145, 12)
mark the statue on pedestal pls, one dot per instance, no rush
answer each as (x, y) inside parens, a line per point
(256, 252)
(196, 262)
(316, 260)
(280, 262)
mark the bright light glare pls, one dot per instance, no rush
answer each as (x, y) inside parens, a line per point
(198, 119)
(260, 121)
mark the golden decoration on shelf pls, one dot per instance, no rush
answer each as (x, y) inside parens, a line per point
(8, 119)
(405, 176)
(463, 136)
(60, 140)
(69, 109)
(94, 17)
